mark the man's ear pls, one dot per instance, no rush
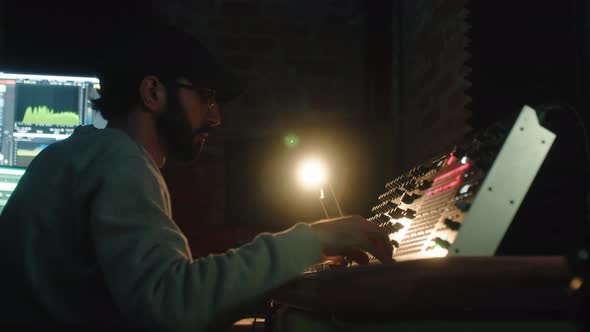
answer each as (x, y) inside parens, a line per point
(152, 93)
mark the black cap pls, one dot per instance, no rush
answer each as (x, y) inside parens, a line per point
(167, 51)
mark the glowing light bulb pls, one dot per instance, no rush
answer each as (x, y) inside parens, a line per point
(312, 173)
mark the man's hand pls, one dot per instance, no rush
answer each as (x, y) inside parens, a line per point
(350, 236)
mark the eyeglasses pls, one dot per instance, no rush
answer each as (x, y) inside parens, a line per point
(205, 93)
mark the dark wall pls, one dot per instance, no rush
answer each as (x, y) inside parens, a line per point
(62, 36)
(535, 52)
(432, 109)
(525, 52)
(320, 73)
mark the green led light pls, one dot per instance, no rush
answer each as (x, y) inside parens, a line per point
(291, 140)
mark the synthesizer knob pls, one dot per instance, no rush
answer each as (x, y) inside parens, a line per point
(394, 193)
(409, 198)
(402, 179)
(392, 228)
(451, 224)
(468, 174)
(389, 227)
(441, 243)
(377, 208)
(390, 205)
(410, 214)
(395, 243)
(396, 213)
(389, 184)
(425, 184)
(462, 204)
(395, 182)
(421, 170)
(385, 207)
(382, 219)
(389, 195)
(410, 185)
(397, 226)
(438, 163)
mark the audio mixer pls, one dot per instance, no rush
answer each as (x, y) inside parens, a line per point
(463, 201)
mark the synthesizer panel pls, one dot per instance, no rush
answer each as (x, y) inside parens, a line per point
(462, 202)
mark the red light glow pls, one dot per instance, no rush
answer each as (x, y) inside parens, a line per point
(451, 160)
(450, 185)
(452, 172)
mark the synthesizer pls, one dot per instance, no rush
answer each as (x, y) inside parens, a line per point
(462, 202)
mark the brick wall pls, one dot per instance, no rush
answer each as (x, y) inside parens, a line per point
(431, 77)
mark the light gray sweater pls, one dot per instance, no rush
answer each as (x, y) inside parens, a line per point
(88, 238)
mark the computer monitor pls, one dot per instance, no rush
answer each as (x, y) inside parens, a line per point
(37, 110)
(9, 177)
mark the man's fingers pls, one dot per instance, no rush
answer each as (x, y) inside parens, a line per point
(344, 234)
(358, 256)
(377, 241)
(383, 249)
(380, 243)
(337, 260)
(380, 240)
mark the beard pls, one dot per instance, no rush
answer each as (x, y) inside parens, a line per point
(182, 142)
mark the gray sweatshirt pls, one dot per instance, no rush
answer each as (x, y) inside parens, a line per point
(87, 237)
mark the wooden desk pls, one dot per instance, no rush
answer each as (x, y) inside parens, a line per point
(510, 291)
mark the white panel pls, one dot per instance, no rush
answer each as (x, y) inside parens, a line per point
(504, 187)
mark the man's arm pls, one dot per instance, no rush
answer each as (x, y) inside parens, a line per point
(147, 264)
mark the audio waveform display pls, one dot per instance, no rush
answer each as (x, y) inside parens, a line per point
(43, 115)
(30, 152)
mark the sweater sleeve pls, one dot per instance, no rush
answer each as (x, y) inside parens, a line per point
(147, 265)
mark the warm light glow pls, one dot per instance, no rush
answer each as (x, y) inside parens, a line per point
(400, 234)
(576, 283)
(451, 160)
(437, 252)
(312, 173)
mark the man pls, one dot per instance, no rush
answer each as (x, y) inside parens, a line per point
(88, 238)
